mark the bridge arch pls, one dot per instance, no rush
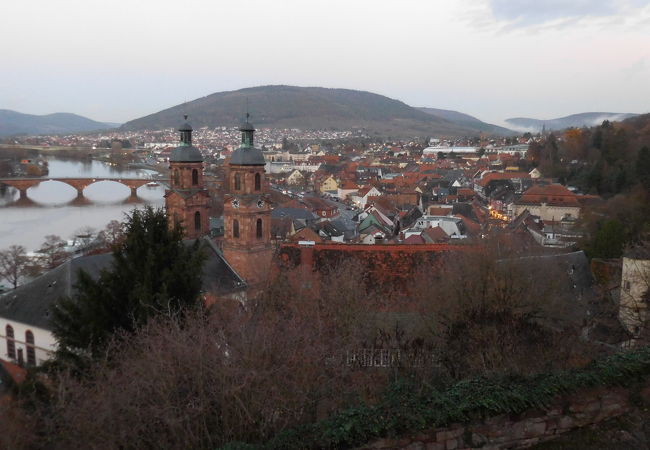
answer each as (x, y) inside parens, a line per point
(79, 184)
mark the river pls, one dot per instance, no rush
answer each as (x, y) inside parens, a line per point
(51, 211)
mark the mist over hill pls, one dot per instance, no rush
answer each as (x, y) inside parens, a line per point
(15, 123)
(465, 120)
(306, 108)
(588, 119)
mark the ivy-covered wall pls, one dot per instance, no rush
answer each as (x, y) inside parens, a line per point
(512, 412)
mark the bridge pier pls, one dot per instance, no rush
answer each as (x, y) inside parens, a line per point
(134, 191)
(23, 193)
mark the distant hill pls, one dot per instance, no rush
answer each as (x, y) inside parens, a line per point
(573, 121)
(467, 121)
(305, 108)
(14, 123)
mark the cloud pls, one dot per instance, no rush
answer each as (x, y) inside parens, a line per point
(537, 12)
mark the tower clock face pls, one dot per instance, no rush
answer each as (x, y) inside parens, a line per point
(260, 203)
(235, 203)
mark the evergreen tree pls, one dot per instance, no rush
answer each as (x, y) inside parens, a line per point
(609, 241)
(152, 273)
(643, 167)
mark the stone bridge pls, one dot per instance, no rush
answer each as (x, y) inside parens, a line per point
(22, 184)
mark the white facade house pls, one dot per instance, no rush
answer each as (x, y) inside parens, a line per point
(24, 343)
(453, 226)
(26, 336)
(362, 196)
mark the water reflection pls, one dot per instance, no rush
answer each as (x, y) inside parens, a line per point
(54, 207)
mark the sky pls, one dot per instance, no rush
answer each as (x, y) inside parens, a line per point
(119, 60)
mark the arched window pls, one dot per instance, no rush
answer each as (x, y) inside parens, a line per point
(31, 351)
(235, 228)
(177, 177)
(258, 229)
(195, 177)
(237, 182)
(258, 182)
(11, 344)
(197, 221)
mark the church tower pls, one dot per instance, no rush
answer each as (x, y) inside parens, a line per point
(187, 198)
(247, 213)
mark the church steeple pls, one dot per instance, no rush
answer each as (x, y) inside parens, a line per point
(247, 132)
(247, 213)
(186, 132)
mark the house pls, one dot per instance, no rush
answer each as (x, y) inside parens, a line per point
(295, 178)
(25, 329)
(552, 202)
(329, 185)
(322, 208)
(452, 226)
(346, 188)
(363, 194)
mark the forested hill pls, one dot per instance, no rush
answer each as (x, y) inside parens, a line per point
(465, 120)
(14, 123)
(306, 108)
(588, 119)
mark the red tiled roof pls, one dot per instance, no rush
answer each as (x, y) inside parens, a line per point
(551, 194)
(501, 176)
(414, 239)
(435, 235)
(306, 234)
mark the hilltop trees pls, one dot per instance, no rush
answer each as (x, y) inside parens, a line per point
(152, 273)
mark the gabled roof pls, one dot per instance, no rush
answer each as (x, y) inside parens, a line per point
(487, 178)
(551, 194)
(31, 303)
(414, 239)
(306, 234)
(434, 235)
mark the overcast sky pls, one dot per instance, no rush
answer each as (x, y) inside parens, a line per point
(118, 60)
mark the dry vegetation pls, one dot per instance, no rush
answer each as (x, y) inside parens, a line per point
(247, 371)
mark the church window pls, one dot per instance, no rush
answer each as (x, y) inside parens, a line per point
(197, 221)
(195, 177)
(11, 344)
(31, 351)
(259, 228)
(235, 228)
(237, 182)
(177, 177)
(258, 182)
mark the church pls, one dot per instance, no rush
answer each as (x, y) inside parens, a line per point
(247, 211)
(235, 271)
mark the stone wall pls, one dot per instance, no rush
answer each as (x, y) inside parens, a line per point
(527, 429)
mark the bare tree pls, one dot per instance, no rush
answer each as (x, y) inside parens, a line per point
(14, 264)
(52, 251)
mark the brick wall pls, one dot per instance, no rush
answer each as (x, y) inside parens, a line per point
(588, 407)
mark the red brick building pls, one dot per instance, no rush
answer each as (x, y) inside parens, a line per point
(247, 212)
(187, 199)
